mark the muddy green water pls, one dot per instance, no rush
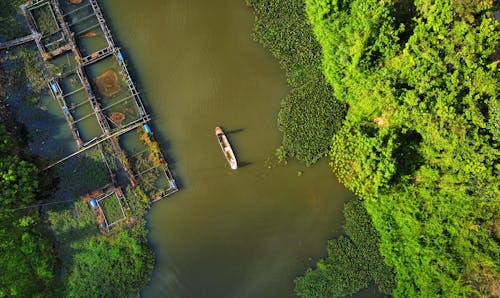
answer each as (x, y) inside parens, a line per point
(244, 233)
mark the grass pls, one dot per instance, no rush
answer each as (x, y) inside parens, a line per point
(111, 208)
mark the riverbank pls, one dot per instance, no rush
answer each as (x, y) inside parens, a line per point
(419, 142)
(310, 115)
(284, 29)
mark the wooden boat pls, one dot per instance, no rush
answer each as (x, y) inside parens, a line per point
(226, 148)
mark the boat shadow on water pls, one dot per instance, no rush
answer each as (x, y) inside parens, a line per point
(234, 131)
(242, 164)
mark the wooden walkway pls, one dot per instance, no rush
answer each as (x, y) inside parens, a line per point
(102, 23)
(129, 127)
(19, 41)
(68, 35)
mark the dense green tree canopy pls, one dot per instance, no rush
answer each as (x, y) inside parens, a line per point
(9, 27)
(109, 267)
(420, 142)
(27, 261)
(18, 182)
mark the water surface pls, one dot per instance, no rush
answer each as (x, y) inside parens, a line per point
(244, 233)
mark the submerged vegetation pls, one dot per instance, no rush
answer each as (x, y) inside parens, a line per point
(27, 75)
(44, 18)
(353, 260)
(309, 115)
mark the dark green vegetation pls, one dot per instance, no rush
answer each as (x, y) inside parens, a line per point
(28, 263)
(309, 115)
(420, 141)
(57, 250)
(309, 118)
(26, 77)
(353, 260)
(111, 208)
(117, 264)
(106, 267)
(9, 27)
(44, 18)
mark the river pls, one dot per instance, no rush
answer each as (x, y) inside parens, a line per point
(243, 233)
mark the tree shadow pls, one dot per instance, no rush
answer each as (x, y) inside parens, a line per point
(81, 174)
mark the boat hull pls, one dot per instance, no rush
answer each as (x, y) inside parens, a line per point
(226, 148)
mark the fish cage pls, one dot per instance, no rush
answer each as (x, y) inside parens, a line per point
(148, 163)
(107, 204)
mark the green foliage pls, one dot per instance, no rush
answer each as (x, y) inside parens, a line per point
(116, 266)
(72, 223)
(34, 69)
(17, 186)
(45, 20)
(18, 177)
(111, 208)
(310, 114)
(420, 141)
(352, 262)
(9, 27)
(148, 178)
(139, 203)
(28, 264)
